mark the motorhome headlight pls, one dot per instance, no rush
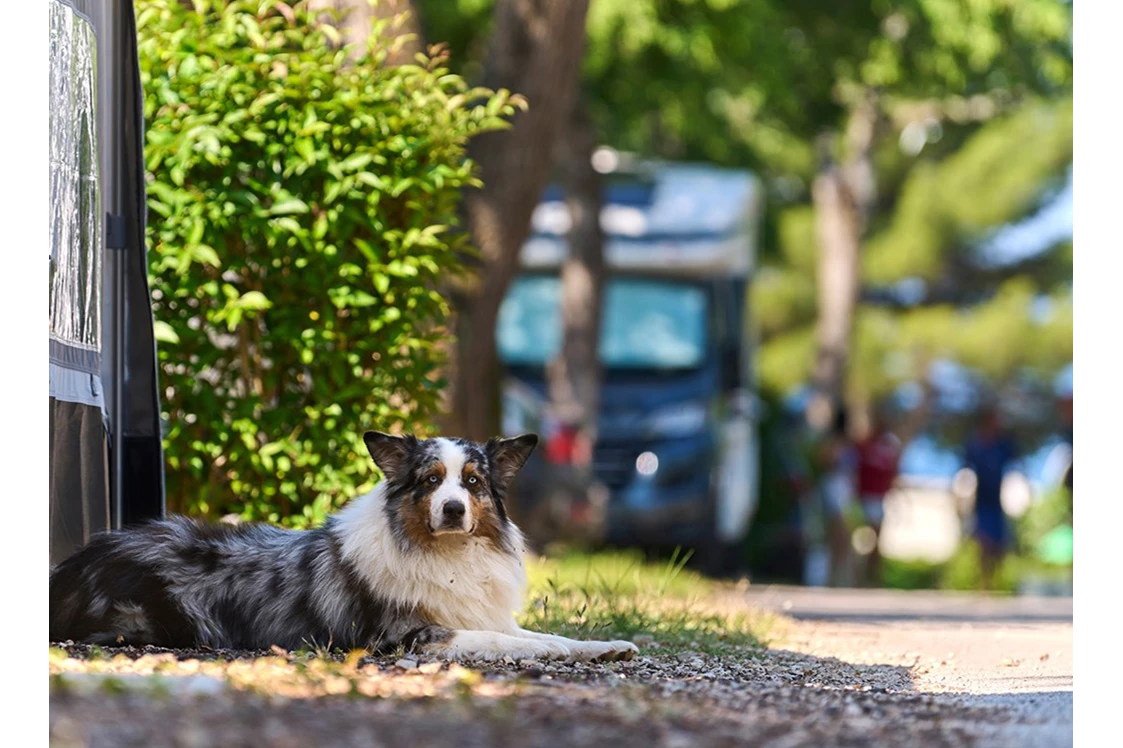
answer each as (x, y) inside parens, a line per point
(647, 463)
(679, 419)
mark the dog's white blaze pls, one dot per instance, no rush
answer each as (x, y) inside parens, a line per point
(453, 457)
(463, 583)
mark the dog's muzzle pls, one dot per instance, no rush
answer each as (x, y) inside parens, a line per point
(453, 518)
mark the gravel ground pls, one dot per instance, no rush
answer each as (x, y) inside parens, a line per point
(819, 683)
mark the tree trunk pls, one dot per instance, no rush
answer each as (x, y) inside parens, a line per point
(536, 51)
(836, 218)
(356, 25)
(575, 374)
(843, 197)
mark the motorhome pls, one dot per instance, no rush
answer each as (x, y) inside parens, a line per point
(675, 461)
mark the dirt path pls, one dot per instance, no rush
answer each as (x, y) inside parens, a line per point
(1012, 656)
(851, 669)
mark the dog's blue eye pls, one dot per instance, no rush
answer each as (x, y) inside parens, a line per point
(434, 479)
(473, 480)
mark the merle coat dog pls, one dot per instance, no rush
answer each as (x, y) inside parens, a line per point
(428, 561)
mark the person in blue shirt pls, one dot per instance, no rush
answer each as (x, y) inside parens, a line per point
(989, 453)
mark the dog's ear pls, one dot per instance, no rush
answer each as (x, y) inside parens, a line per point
(391, 453)
(507, 456)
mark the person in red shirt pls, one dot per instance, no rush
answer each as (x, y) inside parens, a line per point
(879, 457)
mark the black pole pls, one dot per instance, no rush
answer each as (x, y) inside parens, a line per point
(135, 468)
(116, 245)
(114, 225)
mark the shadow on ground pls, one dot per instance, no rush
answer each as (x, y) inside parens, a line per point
(683, 699)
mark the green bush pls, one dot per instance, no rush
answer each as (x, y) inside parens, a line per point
(1052, 511)
(963, 572)
(915, 574)
(302, 207)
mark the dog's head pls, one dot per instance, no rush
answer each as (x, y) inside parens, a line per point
(445, 486)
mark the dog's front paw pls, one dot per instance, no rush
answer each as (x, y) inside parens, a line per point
(604, 651)
(473, 645)
(545, 650)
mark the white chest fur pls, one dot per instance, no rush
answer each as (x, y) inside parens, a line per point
(462, 584)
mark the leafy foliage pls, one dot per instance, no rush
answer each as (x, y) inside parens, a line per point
(997, 339)
(302, 206)
(946, 207)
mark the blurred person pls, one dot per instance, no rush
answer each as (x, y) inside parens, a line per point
(989, 452)
(878, 461)
(782, 534)
(1064, 408)
(837, 463)
(816, 560)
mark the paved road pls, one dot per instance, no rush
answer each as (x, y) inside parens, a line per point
(809, 603)
(1010, 653)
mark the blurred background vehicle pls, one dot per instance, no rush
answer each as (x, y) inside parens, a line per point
(676, 453)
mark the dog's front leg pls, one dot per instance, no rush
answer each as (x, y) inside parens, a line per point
(579, 650)
(492, 645)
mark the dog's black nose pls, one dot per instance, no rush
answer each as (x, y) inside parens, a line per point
(454, 511)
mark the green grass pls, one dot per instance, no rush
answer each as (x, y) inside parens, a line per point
(961, 573)
(619, 595)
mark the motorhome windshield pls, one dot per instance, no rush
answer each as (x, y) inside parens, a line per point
(647, 324)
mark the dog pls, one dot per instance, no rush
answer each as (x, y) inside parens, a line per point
(428, 562)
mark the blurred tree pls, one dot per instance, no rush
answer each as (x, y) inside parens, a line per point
(355, 19)
(893, 136)
(574, 375)
(535, 49)
(853, 99)
(930, 289)
(925, 59)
